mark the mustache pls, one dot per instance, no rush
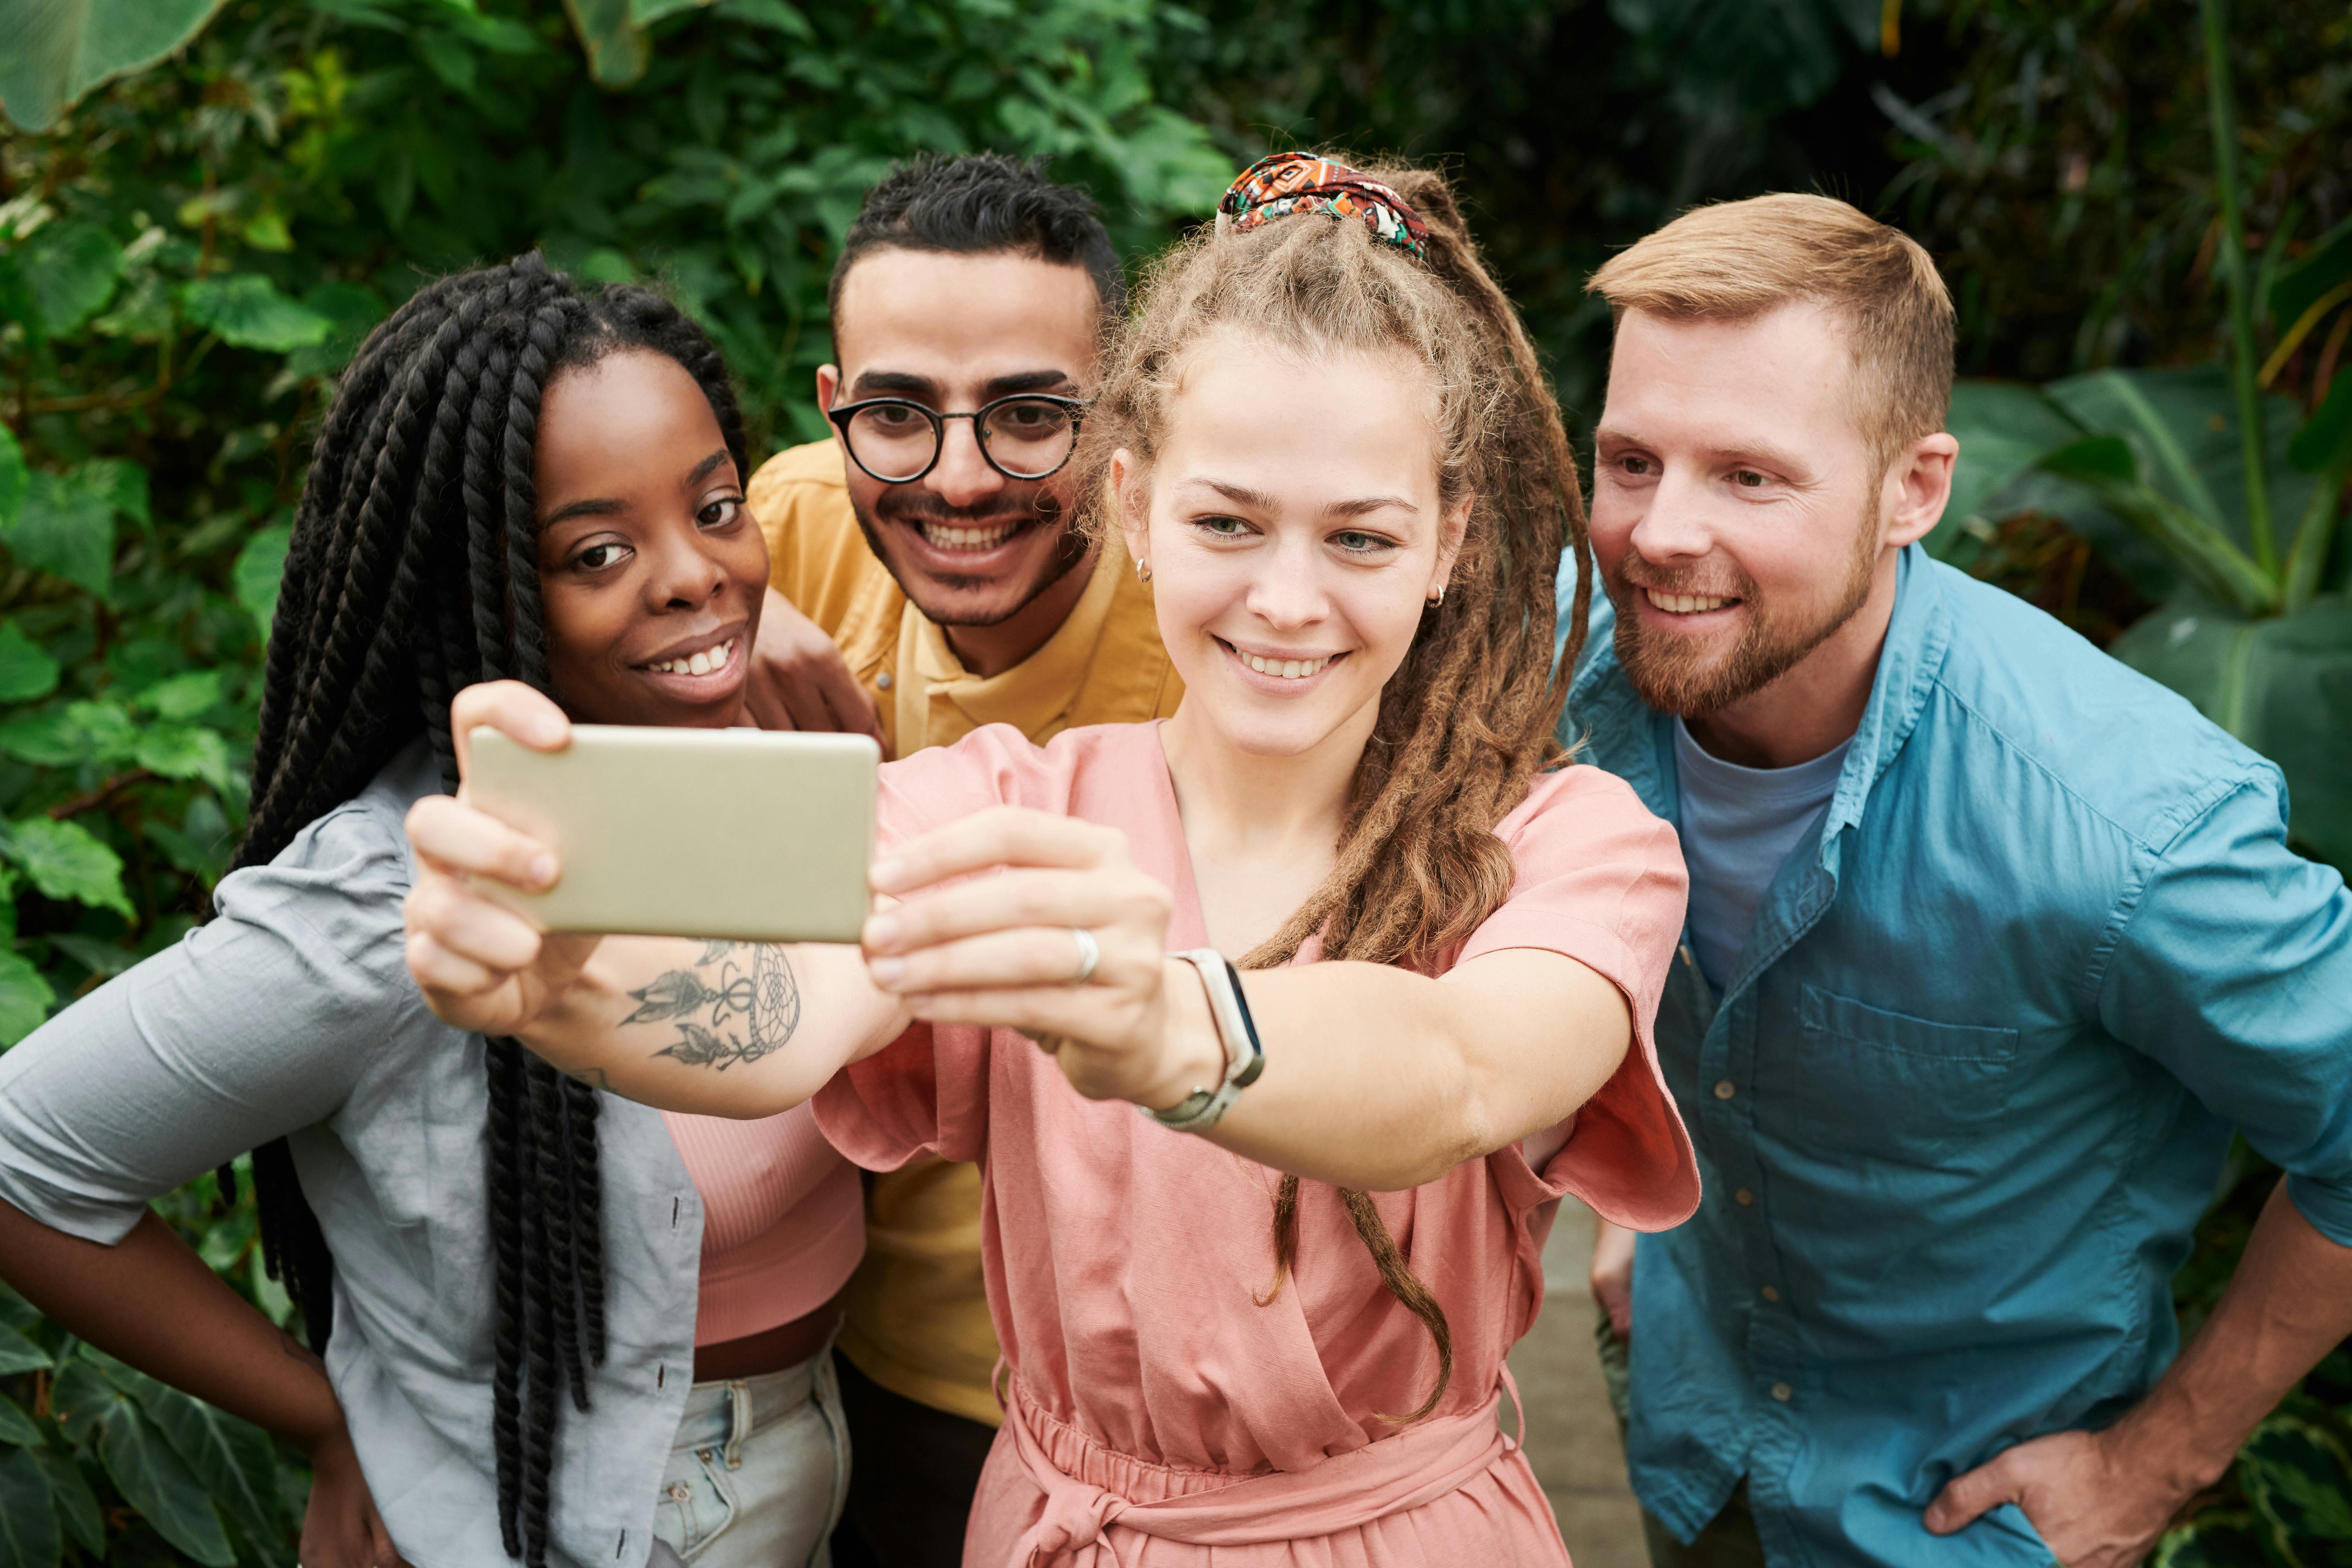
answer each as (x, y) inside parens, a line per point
(918, 510)
(1637, 572)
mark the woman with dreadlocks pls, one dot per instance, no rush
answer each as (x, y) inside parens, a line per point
(520, 480)
(1271, 1328)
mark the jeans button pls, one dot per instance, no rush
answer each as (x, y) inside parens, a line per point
(680, 1492)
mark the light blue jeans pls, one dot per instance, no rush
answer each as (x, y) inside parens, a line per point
(760, 1471)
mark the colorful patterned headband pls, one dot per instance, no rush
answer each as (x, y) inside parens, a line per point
(1286, 182)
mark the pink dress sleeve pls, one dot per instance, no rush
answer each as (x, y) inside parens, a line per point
(1600, 879)
(927, 1092)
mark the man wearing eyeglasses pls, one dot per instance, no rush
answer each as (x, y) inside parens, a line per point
(932, 574)
(926, 577)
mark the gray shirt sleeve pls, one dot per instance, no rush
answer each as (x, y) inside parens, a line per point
(256, 1024)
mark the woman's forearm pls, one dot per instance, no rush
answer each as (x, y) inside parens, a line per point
(716, 1028)
(151, 1301)
(1381, 1078)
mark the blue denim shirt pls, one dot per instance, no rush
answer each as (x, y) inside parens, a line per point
(1972, 1081)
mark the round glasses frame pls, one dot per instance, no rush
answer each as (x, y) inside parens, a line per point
(1075, 407)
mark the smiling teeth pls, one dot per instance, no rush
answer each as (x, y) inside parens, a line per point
(945, 538)
(1685, 603)
(1288, 668)
(701, 663)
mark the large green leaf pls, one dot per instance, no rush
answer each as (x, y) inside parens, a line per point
(157, 1482)
(234, 1459)
(66, 526)
(96, 733)
(2283, 686)
(66, 860)
(28, 1522)
(2183, 426)
(19, 1354)
(2109, 467)
(59, 50)
(2004, 430)
(2298, 1476)
(76, 1504)
(25, 999)
(17, 1427)
(67, 269)
(184, 752)
(245, 309)
(25, 671)
(95, 1411)
(81, 1400)
(2217, 1538)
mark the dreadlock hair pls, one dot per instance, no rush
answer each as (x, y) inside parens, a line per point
(1467, 720)
(412, 572)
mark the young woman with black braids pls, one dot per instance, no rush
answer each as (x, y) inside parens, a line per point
(1281, 1339)
(516, 479)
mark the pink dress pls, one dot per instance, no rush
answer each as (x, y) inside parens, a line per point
(1158, 1414)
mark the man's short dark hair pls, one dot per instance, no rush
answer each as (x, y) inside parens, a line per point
(983, 204)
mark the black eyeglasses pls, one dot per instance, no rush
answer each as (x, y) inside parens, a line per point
(1029, 435)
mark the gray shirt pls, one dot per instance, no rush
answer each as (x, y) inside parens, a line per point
(1738, 828)
(293, 1014)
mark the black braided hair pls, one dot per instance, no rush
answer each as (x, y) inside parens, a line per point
(412, 572)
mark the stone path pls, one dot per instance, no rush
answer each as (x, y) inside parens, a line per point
(1571, 1439)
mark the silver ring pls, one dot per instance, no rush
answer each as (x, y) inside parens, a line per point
(1089, 954)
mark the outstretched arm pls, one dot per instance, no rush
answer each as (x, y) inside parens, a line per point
(1375, 1076)
(718, 1028)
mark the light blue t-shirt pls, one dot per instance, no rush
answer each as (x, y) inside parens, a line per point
(1738, 823)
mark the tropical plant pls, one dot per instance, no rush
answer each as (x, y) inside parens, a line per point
(2216, 498)
(187, 257)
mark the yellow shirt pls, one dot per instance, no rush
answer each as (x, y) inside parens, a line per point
(918, 1308)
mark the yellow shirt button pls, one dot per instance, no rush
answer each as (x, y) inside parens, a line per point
(883, 680)
(1743, 1197)
(1770, 1294)
(1783, 1393)
(1724, 1090)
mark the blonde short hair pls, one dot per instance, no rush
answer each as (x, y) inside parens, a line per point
(1738, 260)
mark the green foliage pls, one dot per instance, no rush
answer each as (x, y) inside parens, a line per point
(189, 256)
(187, 259)
(59, 50)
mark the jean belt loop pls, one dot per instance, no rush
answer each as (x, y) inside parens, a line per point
(739, 1404)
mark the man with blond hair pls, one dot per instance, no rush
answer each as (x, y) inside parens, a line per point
(1991, 942)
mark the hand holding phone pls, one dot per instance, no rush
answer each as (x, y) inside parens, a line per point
(735, 834)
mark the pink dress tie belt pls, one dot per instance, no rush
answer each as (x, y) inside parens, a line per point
(1417, 1465)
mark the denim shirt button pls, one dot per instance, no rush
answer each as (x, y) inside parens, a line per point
(1744, 1198)
(1724, 1090)
(1770, 1294)
(1783, 1393)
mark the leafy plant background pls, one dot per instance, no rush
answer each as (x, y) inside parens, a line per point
(205, 204)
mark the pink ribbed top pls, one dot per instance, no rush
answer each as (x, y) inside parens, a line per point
(783, 1219)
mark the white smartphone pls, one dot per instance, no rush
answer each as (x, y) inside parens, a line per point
(738, 833)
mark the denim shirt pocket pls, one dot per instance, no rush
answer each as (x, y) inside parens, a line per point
(1887, 1086)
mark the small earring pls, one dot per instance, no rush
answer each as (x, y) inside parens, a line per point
(1142, 571)
(1437, 598)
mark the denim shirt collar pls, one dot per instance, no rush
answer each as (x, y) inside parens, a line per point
(1634, 741)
